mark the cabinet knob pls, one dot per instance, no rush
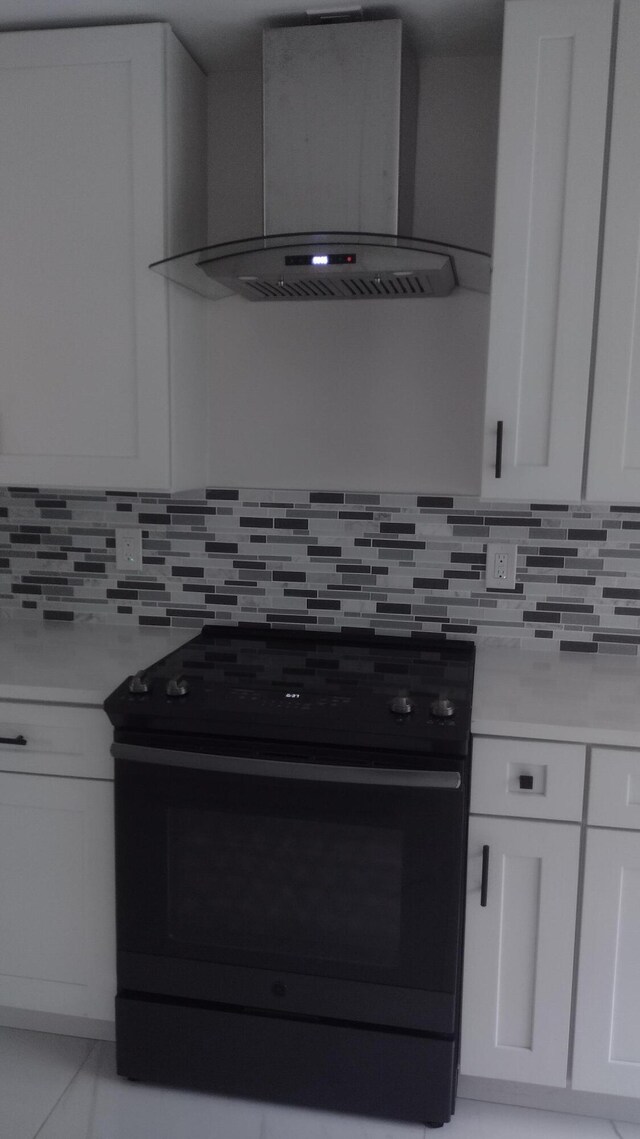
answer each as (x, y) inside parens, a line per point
(526, 782)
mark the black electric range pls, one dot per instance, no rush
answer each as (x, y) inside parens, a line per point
(291, 821)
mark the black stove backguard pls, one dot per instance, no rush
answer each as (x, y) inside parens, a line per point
(290, 871)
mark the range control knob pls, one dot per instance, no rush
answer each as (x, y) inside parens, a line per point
(401, 705)
(442, 708)
(177, 686)
(138, 684)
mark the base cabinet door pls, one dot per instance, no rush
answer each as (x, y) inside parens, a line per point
(519, 946)
(607, 1033)
(57, 927)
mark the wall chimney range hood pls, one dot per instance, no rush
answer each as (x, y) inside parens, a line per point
(339, 136)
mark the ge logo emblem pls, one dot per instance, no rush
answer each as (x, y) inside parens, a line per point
(292, 695)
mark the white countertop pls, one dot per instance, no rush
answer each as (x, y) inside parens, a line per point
(76, 663)
(557, 696)
(539, 695)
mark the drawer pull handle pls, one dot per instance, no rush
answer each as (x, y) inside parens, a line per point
(484, 885)
(499, 428)
(526, 782)
(20, 740)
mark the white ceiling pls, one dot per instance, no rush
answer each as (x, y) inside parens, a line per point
(223, 34)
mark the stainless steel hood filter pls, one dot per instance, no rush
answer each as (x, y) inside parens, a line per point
(339, 130)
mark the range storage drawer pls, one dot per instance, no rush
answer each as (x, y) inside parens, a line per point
(530, 778)
(614, 788)
(59, 740)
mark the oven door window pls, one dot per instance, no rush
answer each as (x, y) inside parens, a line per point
(360, 882)
(298, 887)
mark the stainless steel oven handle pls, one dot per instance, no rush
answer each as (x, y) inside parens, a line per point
(281, 769)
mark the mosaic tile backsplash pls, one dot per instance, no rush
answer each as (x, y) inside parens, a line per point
(394, 562)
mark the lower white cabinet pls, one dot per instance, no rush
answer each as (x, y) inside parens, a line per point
(607, 1033)
(57, 932)
(57, 888)
(521, 970)
(516, 1005)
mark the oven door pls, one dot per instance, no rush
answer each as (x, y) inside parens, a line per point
(302, 888)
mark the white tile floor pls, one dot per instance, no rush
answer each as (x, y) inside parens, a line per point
(57, 1087)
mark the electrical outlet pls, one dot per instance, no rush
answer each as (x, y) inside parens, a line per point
(128, 548)
(501, 565)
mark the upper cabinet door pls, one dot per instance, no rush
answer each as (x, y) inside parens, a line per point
(556, 59)
(614, 455)
(89, 125)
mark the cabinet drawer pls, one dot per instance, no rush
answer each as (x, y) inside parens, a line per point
(614, 788)
(60, 740)
(531, 778)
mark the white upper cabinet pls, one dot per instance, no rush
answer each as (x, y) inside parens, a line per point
(102, 136)
(553, 119)
(614, 455)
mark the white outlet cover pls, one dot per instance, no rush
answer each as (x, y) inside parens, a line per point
(508, 554)
(129, 549)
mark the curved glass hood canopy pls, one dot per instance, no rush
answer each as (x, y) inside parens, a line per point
(328, 266)
(340, 106)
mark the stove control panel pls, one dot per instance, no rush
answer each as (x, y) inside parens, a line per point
(288, 699)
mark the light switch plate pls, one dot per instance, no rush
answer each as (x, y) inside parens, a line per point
(502, 558)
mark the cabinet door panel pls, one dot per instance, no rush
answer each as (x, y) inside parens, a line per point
(83, 323)
(519, 951)
(614, 791)
(57, 937)
(550, 160)
(614, 455)
(607, 1041)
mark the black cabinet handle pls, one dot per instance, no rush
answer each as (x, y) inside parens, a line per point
(526, 782)
(13, 740)
(484, 885)
(499, 449)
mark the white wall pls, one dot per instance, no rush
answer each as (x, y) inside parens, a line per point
(235, 155)
(365, 395)
(457, 150)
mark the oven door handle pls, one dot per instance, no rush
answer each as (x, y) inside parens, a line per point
(282, 769)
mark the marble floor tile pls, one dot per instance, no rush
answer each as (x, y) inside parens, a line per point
(101, 1105)
(296, 1123)
(55, 1087)
(35, 1069)
(476, 1120)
